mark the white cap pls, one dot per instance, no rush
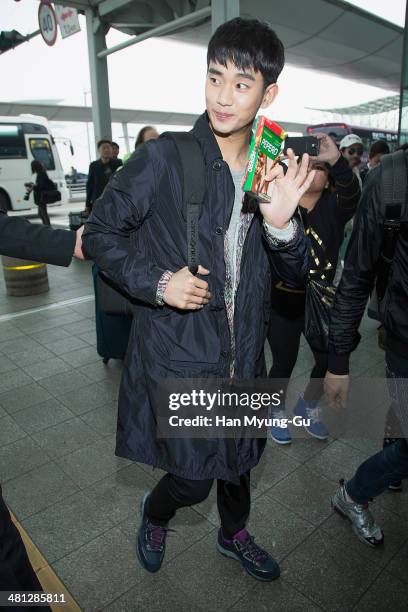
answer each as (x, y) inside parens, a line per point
(349, 140)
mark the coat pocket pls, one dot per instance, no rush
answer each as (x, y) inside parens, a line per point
(188, 336)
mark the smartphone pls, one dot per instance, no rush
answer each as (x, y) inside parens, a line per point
(302, 144)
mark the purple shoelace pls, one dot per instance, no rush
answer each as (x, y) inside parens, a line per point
(156, 536)
(255, 552)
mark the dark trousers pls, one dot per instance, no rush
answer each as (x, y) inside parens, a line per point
(391, 464)
(16, 572)
(284, 339)
(173, 492)
(43, 214)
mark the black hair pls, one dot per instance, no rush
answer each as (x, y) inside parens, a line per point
(141, 134)
(36, 166)
(379, 146)
(115, 144)
(248, 43)
(103, 141)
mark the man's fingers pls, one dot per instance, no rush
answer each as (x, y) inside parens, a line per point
(192, 306)
(292, 164)
(202, 270)
(195, 299)
(199, 292)
(303, 188)
(199, 283)
(302, 170)
(275, 173)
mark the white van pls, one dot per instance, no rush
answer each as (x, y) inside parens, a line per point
(23, 139)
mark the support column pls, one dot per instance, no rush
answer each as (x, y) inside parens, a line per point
(98, 68)
(222, 11)
(126, 137)
(403, 116)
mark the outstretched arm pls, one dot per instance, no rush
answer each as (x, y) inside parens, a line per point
(19, 238)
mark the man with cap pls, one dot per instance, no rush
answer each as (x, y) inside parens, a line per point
(351, 147)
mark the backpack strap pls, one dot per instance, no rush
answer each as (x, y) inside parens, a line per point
(192, 163)
(394, 184)
(394, 195)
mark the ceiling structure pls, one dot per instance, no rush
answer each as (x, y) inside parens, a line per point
(56, 112)
(373, 107)
(330, 36)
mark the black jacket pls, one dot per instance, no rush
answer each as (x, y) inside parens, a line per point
(359, 277)
(145, 199)
(42, 185)
(19, 238)
(326, 221)
(98, 177)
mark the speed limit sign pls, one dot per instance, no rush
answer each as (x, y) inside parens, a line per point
(48, 22)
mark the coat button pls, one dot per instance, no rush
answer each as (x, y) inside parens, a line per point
(217, 165)
(224, 353)
(219, 231)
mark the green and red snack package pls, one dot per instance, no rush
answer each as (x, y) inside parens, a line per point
(264, 150)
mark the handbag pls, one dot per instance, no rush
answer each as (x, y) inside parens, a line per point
(112, 299)
(319, 297)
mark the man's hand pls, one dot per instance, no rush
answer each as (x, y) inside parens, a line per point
(328, 149)
(286, 190)
(336, 388)
(78, 244)
(186, 291)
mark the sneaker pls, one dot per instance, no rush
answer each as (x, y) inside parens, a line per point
(280, 433)
(395, 486)
(151, 542)
(360, 516)
(311, 413)
(256, 561)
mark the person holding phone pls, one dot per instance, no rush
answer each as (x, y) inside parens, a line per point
(324, 209)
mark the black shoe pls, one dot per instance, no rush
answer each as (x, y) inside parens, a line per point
(257, 562)
(151, 542)
(395, 486)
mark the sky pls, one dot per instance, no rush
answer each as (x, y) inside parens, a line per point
(34, 71)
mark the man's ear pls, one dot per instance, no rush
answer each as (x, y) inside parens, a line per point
(269, 95)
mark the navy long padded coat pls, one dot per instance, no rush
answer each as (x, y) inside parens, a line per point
(145, 198)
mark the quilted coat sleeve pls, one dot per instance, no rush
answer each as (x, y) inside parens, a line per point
(289, 259)
(19, 238)
(126, 203)
(358, 276)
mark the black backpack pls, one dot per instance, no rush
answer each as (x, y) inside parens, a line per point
(394, 198)
(112, 299)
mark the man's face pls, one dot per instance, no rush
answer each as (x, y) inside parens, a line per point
(105, 150)
(233, 96)
(115, 151)
(353, 154)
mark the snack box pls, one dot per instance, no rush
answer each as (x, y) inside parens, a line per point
(265, 148)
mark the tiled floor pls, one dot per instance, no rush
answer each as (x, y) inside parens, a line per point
(79, 502)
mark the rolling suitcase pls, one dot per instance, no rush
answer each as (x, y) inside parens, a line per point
(112, 331)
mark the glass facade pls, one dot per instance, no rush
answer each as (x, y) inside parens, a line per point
(403, 118)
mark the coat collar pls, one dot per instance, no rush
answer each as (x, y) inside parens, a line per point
(204, 134)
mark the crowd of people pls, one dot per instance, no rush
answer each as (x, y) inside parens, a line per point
(250, 284)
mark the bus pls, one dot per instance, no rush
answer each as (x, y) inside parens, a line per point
(23, 139)
(367, 135)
